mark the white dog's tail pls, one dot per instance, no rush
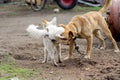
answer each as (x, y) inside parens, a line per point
(105, 7)
(34, 32)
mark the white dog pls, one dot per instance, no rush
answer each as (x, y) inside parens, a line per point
(49, 34)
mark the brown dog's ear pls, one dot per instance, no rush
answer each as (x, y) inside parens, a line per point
(62, 25)
(71, 34)
(44, 22)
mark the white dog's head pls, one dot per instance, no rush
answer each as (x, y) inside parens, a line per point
(52, 28)
(49, 28)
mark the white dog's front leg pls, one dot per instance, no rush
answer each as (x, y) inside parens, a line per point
(45, 56)
(52, 56)
(59, 52)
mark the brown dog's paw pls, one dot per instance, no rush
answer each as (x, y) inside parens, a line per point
(87, 57)
(117, 51)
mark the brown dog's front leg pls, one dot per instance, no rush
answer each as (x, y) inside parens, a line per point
(71, 42)
(89, 46)
(70, 48)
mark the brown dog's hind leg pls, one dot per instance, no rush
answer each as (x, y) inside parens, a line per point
(109, 35)
(89, 46)
(98, 35)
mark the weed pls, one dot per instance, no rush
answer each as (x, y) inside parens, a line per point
(8, 71)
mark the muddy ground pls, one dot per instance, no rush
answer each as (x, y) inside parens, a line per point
(28, 52)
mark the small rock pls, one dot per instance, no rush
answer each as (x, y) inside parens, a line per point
(56, 10)
(87, 69)
(51, 72)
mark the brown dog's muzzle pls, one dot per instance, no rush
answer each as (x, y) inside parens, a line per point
(64, 41)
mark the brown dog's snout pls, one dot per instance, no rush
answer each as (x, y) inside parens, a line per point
(64, 39)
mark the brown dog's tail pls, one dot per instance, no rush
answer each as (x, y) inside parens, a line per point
(105, 7)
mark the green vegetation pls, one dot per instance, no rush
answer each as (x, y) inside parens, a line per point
(8, 71)
(83, 8)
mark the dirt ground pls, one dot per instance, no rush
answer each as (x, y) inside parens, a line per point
(28, 52)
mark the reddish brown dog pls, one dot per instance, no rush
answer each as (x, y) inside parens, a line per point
(87, 25)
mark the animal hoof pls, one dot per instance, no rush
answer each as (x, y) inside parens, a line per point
(87, 57)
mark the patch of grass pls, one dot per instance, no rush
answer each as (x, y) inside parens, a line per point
(8, 71)
(80, 8)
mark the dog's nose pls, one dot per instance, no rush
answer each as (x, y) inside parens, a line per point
(53, 40)
(46, 35)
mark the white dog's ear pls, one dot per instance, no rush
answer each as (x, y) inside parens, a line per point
(54, 21)
(44, 22)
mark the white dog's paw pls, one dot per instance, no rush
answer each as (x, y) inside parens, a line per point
(56, 65)
(67, 58)
(117, 50)
(87, 57)
(102, 48)
(44, 62)
(59, 61)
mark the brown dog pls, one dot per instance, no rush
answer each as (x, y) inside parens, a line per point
(87, 25)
